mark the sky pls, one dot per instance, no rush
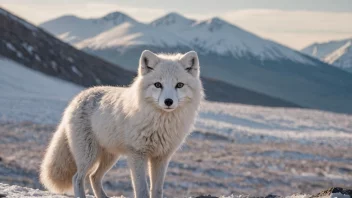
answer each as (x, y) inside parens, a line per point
(294, 23)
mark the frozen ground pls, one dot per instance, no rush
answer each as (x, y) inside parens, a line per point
(235, 149)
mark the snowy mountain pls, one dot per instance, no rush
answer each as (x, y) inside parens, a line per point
(218, 36)
(132, 34)
(173, 22)
(36, 49)
(173, 30)
(73, 29)
(229, 54)
(337, 53)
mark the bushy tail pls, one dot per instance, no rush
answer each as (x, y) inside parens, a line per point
(58, 166)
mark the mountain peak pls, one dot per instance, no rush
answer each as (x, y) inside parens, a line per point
(172, 19)
(216, 21)
(117, 16)
(214, 24)
(175, 15)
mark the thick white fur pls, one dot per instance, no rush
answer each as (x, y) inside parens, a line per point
(103, 123)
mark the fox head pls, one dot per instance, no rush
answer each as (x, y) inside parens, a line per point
(169, 81)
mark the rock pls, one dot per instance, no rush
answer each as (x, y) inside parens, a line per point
(19, 192)
(335, 192)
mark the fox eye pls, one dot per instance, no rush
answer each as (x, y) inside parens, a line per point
(179, 85)
(158, 85)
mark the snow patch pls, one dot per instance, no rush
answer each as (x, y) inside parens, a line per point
(339, 54)
(70, 59)
(28, 47)
(36, 56)
(76, 71)
(53, 65)
(12, 48)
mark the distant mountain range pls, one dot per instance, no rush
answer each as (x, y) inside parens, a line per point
(34, 48)
(117, 30)
(227, 53)
(337, 53)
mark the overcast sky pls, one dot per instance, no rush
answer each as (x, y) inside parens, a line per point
(295, 23)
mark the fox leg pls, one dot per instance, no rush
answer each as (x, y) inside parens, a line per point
(157, 171)
(85, 150)
(106, 161)
(138, 164)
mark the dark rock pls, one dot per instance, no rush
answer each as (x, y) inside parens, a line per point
(329, 191)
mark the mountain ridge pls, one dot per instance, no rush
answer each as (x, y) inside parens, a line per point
(336, 52)
(203, 35)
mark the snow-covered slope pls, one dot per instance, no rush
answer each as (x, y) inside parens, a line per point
(218, 36)
(338, 53)
(73, 29)
(173, 22)
(341, 57)
(26, 94)
(132, 34)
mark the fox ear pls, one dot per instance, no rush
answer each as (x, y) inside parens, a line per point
(147, 62)
(191, 63)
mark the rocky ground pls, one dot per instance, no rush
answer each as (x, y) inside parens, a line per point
(9, 191)
(207, 164)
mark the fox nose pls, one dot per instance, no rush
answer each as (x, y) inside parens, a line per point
(168, 102)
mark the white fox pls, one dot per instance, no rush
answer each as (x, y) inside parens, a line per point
(146, 121)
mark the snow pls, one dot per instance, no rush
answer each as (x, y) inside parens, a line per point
(173, 30)
(219, 36)
(337, 53)
(249, 124)
(73, 29)
(30, 95)
(321, 50)
(12, 48)
(37, 58)
(173, 22)
(76, 71)
(53, 65)
(341, 57)
(131, 34)
(28, 47)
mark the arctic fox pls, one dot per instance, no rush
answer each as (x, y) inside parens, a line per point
(146, 121)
